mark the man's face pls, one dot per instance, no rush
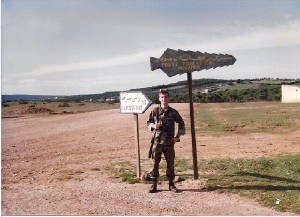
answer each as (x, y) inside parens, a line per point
(164, 99)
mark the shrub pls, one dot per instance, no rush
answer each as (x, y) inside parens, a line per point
(64, 104)
(21, 101)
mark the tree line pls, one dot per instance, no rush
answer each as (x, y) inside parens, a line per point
(261, 93)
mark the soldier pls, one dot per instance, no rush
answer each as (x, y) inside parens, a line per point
(162, 125)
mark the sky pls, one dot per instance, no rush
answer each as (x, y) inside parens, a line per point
(70, 47)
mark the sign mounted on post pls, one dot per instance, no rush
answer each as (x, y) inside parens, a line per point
(174, 62)
(134, 102)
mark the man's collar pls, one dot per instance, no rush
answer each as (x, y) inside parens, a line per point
(164, 109)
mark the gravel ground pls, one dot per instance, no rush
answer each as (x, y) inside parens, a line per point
(95, 197)
(53, 165)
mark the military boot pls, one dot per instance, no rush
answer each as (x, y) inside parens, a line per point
(172, 187)
(153, 188)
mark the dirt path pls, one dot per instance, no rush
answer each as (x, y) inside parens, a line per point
(54, 165)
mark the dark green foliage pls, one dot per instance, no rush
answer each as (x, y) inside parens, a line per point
(261, 93)
(240, 91)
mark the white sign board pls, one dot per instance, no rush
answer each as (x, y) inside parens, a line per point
(134, 102)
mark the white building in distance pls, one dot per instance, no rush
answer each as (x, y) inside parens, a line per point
(290, 93)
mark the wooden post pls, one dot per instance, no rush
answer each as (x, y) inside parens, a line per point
(194, 147)
(138, 164)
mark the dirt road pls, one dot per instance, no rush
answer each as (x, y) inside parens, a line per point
(53, 165)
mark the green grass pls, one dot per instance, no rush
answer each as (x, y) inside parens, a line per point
(126, 171)
(264, 179)
(266, 117)
(207, 121)
(183, 169)
(66, 175)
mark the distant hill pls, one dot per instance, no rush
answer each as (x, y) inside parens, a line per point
(204, 90)
(27, 97)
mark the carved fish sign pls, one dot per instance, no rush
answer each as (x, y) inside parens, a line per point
(174, 62)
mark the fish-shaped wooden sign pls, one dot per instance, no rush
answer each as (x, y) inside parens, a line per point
(174, 62)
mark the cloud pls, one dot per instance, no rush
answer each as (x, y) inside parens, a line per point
(256, 37)
(98, 64)
(102, 45)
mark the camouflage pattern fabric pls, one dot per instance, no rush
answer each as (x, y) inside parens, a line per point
(163, 138)
(169, 153)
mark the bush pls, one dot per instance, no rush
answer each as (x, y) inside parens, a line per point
(21, 101)
(64, 104)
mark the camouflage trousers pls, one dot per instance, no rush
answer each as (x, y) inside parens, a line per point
(169, 153)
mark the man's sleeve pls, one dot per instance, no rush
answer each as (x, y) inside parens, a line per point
(181, 125)
(151, 121)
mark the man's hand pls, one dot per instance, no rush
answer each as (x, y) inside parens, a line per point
(175, 139)
(158, 125)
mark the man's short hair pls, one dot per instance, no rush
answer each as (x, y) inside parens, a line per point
(164, 91)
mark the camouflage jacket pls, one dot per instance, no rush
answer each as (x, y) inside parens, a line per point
(167, 118)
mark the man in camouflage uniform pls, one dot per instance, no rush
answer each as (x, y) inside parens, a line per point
(162, 124)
